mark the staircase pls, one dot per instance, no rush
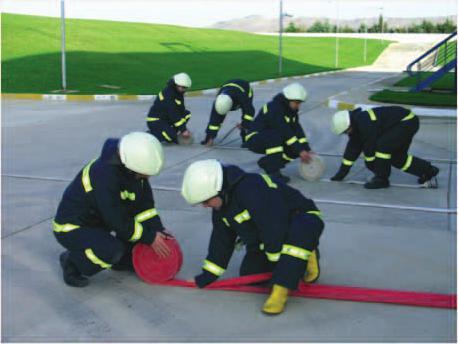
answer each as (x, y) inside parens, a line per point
(439, 60)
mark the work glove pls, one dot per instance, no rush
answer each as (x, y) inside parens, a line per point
(341, 173)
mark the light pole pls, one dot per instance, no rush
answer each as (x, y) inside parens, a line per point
(381, 23)
(62, 15)
(337, 34)
(280, 38)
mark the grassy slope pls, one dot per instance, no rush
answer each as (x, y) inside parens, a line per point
(141, 57)
(421, 98)
(447, 82)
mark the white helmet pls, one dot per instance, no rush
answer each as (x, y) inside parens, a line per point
(202, 180)
(141, 153)
(295, 91)
(223, 104)
(340, 122)
(182, 79)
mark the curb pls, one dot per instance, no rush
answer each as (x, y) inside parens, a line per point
(420, 111)
(144, 97)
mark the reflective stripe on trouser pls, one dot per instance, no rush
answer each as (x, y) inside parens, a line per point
(91, 249)
(162, 131)
(302, 238)
(270, 144)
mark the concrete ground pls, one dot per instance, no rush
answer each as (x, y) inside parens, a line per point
(384, 245)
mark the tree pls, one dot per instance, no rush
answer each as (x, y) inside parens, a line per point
(292, 27)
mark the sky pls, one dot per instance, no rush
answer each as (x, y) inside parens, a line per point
(202, 13)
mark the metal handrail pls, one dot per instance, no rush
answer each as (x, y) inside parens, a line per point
(433, 49)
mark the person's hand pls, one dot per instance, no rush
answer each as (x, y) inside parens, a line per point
(159, 246)
(186, 134)
(306, 156)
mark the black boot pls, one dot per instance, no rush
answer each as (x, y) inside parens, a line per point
(72, 276)
(277, 175)
(432, 173)
(377, 183)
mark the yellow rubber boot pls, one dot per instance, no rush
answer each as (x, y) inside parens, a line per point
(313, 268)
(277, 300)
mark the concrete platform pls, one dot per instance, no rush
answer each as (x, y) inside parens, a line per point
(44, 144)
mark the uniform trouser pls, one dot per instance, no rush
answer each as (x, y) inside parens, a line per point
(304, 233)
(392, 149)
(163, 131)
(93, 249)
(270, 143)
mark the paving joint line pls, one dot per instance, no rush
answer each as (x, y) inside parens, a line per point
(26, 228)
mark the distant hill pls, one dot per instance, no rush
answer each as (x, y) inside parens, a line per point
(255, 23)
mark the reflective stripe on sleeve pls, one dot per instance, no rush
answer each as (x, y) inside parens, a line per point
(409, 116)
(303, 140)
(96, 260)
(242, 217)
(407, 163)
(178, 102)
(161, 96)
(347, 162)
(369, 158)
(67, 227)
(226, 222)
(296, 252)
(315, 212)
(248, 118)
(250, 135)
(265, 109)
(146, 215)
(234, 85)
(180, 122)
(291, 140)
(372, 114)
(167, 137)
(287, 119)
(274, 150)
(381, 155)
(152, 119)
(284, 156)
(86, 180)
(213, 268)
(187, 117)
(269, 181)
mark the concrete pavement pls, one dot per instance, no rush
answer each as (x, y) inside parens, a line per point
(44, 144)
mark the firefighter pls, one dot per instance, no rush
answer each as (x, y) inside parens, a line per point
(110, 194)
(384, 135)
(233, 95)
(167, 117)
(277, 133)
(279, 226)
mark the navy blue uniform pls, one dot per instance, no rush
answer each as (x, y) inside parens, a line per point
(384, 135)
(242, 98)
(105, 197)
(279, 226)
(277, 133)
(168, 116)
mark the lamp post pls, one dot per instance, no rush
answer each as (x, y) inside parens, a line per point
(62, 15)
(280, 38)
(337, 34)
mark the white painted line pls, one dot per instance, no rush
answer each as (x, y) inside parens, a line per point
(146, 97)
(270, 80)
(105, 97)
(210, 91)
(54, 97)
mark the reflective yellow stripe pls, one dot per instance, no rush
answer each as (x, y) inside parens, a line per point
(67, 227)
(250, 135)
(303, 140)
(127, 195)
(96, 260)
(372, 114)
(213, 127)
(242, 217)
(248, 117)
(269, 181)
(287, 119)
(273, 257)
(177, 101)
(152, 119)
(213, 268)
(188, 116)
(167, 137)
(347, 162)
(226, 222)
(264, 109)
(146, 215)
(287, 157)
(138, 232)
(161, 97)
(250, 93)
(180, 122)
(291, 140)
(274, 150)
(234, 85)
(369, 158)
(408, 163)
(409, 116)
(85, 177)
(261, 246)
(315, 212)
(381, 155)
(296, 252)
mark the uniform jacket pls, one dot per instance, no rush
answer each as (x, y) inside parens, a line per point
(107, 195)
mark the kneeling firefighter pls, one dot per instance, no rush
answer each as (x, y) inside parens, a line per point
(111, 194)
(384, 135)
(279, 226)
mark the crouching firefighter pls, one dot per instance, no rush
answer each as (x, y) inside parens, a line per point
(278, 225)
(277, 133)
(384, 135)
(167, 117)
(233, 95)
(110, 194)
